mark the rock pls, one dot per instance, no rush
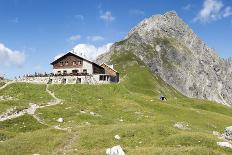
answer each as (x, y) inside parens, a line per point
(60, 120)
(82, 111)
(31, 110)
(224, 144)
(181, 125)
(87, 123)
(215, 133)
(157, 48)
(228, 133)
(116, 150)
(6, 98)
(171, 50)
(92, 113)
(117, 137)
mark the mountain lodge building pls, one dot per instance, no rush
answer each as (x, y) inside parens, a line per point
(84, 70)
(71, 63)
(72, 69)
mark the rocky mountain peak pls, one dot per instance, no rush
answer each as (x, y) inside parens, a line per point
(170, 48)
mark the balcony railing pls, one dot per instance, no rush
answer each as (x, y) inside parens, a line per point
(54, 75)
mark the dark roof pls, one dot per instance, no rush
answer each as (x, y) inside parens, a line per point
(70, 53)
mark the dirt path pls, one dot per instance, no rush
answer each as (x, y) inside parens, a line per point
(6, 84)
(13, 113)
(66, 146)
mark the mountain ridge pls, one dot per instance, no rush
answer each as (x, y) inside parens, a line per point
(171, 49)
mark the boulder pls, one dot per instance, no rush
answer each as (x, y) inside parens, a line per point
(181, 125)
(60, 120)
(116, 150)
(228, 133)
(117, 137)
(224, 144)
(92, 113)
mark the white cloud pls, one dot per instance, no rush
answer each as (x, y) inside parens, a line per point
(80, 17)
(59, 55)
(11, 57)
(95, 38)
(137, 12)
(213, 10)
(74, 38)
(187, 7)
(89, 51)
(107, 17)
(228, 12)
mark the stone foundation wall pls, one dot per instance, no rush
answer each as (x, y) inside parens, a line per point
(94, 79)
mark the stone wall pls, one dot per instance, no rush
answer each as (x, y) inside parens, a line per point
(93, 79)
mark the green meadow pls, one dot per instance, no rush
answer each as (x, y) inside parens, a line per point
(94, 114)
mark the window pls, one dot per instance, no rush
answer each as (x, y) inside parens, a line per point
(78, 80)
(59, 72)
(75, 71)
(61, 63)
(84, 70)
(65, 72)
(50, 81)
(102, 78)
(74, 63)
(79, 62)
(66, 63)
(64, 81)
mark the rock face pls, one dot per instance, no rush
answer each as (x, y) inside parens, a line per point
(174, 52)
(228, 133)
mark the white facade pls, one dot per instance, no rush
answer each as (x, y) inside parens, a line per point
(88, 66)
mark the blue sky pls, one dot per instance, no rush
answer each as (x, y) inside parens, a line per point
(33, 32)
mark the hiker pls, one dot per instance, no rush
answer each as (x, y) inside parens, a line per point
(163, 98)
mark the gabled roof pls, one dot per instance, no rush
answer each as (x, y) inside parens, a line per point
(109, 67)
(75, 55)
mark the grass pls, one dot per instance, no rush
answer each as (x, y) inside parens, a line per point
(23, 94)
(2, 83)
(131, 109)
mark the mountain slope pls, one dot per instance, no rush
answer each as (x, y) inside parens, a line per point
(176, 54)
(94, 114)
(131, 109)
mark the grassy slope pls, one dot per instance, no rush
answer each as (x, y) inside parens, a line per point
(147, 126)
(2, 83)
(23, 94)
